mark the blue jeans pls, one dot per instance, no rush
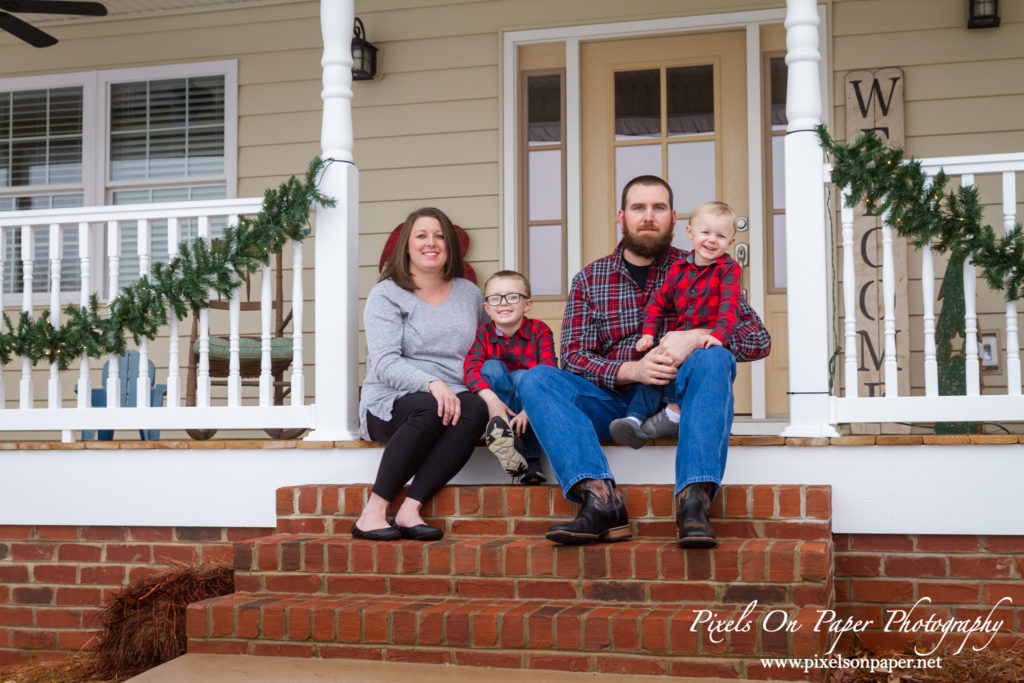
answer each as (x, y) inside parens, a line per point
(506, 385)
(570, 414)
(647, 399)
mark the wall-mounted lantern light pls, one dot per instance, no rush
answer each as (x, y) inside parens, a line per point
(364, 54)
(983, 13)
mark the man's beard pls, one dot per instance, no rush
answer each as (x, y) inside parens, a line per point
(649, 245)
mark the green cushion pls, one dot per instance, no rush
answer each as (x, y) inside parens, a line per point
(249, 349)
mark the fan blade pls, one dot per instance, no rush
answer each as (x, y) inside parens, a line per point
(89, 9)
(30, 34)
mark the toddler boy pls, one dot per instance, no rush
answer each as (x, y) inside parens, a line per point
(701, 290)
(503, 350)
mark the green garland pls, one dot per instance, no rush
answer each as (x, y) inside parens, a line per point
(926, 213)
(181, 285)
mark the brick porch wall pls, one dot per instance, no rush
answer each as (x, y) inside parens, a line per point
(964, 576)
(53, 579)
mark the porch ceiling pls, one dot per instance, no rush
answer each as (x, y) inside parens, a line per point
(141, 7)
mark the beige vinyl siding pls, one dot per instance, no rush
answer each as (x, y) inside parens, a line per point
(963, 96)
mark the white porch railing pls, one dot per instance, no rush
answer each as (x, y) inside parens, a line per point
(102, 225)
(930, 407)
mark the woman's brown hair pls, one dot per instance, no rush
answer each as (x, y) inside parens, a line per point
(397, 266)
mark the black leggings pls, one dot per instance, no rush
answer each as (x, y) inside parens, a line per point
(419, 445)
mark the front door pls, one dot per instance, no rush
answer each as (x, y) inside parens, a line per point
(672, 106)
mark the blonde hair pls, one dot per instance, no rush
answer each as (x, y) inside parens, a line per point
(511, 274)
(714, 208)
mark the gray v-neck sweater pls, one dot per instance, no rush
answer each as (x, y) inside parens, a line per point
(410, 342)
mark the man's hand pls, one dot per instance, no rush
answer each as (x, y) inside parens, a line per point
(519, 423)
(678, 345)
(656, 368)
(707, 341)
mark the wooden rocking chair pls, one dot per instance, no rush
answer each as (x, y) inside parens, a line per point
(250, 354)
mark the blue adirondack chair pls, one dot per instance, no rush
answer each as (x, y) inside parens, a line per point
(128, 372)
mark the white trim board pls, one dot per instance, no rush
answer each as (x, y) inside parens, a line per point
(875, 489)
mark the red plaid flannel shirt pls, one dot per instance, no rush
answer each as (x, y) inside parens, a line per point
(697, 296)
(605, 313)
(532, 344)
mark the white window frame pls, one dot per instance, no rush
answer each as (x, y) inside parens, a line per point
(227, 68)
(97, 190)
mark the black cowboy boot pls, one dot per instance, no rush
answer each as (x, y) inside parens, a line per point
(692, 505)
(602, 517)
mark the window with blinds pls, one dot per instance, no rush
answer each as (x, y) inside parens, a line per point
(40, 168)
(166, 132)
(167, 129)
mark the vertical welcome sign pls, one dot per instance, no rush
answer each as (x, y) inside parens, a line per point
(874, 102)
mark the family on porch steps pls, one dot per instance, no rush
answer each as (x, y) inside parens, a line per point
(438, 371)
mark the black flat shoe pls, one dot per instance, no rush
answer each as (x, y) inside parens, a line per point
(386, 534)
(420, 532)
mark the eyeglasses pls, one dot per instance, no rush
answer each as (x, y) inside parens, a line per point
(511, 298)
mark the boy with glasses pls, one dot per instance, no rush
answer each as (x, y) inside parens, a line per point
(503, 350)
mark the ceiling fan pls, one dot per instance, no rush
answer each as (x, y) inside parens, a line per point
(30, 34)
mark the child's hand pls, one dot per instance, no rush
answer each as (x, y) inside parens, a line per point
(519, 423)
(495, 406)
(707, 341)
(645, 342)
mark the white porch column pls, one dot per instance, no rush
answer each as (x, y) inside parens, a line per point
(806, 244)
(337, 232)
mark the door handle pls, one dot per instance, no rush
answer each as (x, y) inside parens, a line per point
(743, 254)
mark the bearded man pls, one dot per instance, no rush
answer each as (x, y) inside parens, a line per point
(571, 408)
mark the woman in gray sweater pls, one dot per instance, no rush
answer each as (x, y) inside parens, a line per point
(421, 318)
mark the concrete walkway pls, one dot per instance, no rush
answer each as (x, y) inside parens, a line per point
(200, 668)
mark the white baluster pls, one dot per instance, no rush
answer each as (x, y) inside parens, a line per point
(889, 305)
(3, 257)
(234, 343)
(931, 365)
(849, 302)
(971, 368)
(174, 358)
(298, 393)
(142, 385)
(113, 287)
(266, 379)
(203, 380)
(53, 389)
(85, 263)
(1013, 377)
(27, 262)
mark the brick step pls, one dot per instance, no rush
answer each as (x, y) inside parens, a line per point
(738, 571)
(657, 638)
(741, 511)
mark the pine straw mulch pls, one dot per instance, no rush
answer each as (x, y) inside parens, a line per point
(143, 626)
(986, 666)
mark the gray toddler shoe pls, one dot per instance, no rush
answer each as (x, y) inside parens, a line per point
(658, 426)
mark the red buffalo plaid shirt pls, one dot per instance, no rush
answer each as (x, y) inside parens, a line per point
(605, 313)
(532, 344)
(697, 296)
